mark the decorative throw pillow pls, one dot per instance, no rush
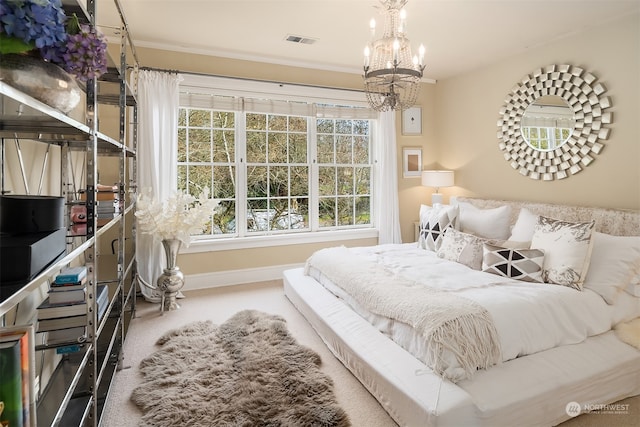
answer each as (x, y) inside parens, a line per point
(567, 248)
(433, 221)
(489, 223)
(614, 266)
(461, 247)
(519, 264)
(524, 227)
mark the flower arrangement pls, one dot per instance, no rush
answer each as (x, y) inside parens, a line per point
(180, 216)
(41, 27)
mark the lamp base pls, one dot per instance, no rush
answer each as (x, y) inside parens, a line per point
(436, 199)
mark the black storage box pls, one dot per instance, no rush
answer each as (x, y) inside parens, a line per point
(23, 256)
(20, 214)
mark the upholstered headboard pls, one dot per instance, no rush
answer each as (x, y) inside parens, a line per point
(609, 221)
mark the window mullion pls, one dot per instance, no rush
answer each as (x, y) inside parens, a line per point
(241, 173)
(312, 161)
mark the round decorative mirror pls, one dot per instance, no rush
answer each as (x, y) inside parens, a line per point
(553, 122)
(547, 123)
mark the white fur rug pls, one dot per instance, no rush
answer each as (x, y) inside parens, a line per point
(249, 371)
(629, 332)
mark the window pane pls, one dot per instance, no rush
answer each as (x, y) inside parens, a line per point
(361, 127)
(257, 181)
(343, 150)
(182, 117)
(325, 149)
(224, 221)
(299, 180)
(223, 119)
(327, 180)
(277, 123)
(278, 181)
(224, 146)
(199, 141)
(361, 149)
(256, 147)
(182, 177)
(345, 181)
(256, 121)
(363, 180)
(199, 118)
(298, 124)
(344, 126)
(327, 211)
(224, 182)
(199, 178)
(277, 148)
(279, 218)
(257, 218)
(363, 210)
(345, 211)
(300, 213)
(325, 126)
(182, 145)
(298, 148)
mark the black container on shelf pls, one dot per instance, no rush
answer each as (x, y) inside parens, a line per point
(21, 214)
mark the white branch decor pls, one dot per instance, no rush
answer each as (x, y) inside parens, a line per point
(178, 217)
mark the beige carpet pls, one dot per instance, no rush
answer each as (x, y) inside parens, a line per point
(218, 304)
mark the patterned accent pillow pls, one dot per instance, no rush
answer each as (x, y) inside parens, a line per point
(519, 264)
(433, 221)
(567, 247)
(461, 247)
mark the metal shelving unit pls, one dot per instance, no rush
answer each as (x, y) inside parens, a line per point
(75, 392)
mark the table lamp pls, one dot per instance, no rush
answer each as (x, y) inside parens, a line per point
(437, 179)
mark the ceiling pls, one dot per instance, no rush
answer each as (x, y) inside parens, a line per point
(459, 35)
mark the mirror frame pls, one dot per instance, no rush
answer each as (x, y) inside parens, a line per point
(580, 90)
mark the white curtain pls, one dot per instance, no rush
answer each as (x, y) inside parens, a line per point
(388, 212)
(158, 95)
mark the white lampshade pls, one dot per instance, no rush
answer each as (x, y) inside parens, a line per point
(437, 179)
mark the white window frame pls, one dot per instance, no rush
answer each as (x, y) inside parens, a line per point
(222, 86)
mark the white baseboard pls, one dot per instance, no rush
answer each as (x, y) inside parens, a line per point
(235, 277)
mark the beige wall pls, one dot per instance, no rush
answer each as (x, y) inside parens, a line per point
(467, 115)
(459, 132)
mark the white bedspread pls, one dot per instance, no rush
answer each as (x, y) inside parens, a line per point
(529, 317)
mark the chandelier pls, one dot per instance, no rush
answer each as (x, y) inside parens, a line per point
(391, 74)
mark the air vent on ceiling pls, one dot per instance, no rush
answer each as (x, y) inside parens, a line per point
(300, 39)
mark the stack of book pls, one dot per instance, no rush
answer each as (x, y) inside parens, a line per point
(63, 315)
(108, 203)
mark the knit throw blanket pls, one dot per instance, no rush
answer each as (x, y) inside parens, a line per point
(449, 323)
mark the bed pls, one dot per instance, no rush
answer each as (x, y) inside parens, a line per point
(519, 376)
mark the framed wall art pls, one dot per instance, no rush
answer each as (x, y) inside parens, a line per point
(412, 121)
(411, 162)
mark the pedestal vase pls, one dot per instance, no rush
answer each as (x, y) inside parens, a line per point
(172, 279)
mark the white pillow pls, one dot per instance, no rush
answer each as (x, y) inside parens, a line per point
(614, 266)
(488, 223)
(525, 225)
(433, 221)
(567, 249)
(461, 247)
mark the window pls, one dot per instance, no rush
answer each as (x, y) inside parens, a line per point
(545, 138)
(278, 166)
